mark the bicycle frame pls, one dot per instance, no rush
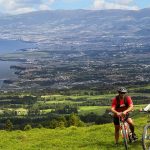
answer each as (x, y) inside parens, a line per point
(125, 131)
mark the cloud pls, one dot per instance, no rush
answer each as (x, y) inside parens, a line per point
(22, 6)
(124, 2)
(114, 4)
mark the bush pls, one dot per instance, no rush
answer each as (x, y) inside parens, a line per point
(8, 125)
(53, 124)
(39, 126)
(27, 127)
(74, 120)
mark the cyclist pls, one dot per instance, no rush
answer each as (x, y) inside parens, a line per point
(121, 106)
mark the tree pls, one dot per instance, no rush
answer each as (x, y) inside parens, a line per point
(61, 124)
(62, 120)
(53, 124)
(67, 109)
(27, 127)
(34, 110)
(74, 120)
(8, 125)
(39, 126)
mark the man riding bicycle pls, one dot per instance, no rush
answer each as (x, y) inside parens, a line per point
(121, 106)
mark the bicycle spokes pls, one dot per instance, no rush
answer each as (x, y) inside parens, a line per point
(146, 138)
(124, 131)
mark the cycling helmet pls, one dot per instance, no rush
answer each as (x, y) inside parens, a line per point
(122, 90)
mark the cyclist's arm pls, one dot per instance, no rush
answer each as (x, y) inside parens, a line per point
(113, 106)
(115, 112)
(130, 108)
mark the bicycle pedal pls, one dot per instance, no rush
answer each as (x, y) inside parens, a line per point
(134, 140)
(131, 141)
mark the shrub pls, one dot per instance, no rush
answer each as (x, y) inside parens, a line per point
(27, 127)
(8, 125)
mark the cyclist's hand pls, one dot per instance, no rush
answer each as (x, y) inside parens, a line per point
(119, 114)
(124, 113)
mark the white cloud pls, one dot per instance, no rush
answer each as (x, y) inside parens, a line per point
(43, 7)
(22, 6)
(114, 4)
(23, 10)
(124, 2)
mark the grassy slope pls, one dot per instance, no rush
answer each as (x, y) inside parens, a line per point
(97, 137)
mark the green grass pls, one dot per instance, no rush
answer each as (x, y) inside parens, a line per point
(96, 137)
(95, 109)
(45, 111)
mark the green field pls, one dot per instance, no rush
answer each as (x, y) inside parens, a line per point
(93, 137)
(78, 100)
(74, 97)
(96, 109)
(96, 137)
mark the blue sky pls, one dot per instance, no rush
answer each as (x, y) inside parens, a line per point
(23, 6)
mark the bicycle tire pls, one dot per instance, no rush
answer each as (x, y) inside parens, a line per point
(146, 138)
(125, 134)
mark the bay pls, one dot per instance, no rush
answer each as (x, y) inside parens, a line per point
(5, 71)
(11, 46)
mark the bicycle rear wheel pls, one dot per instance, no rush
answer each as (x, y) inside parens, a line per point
(125, 135)
(146, 138)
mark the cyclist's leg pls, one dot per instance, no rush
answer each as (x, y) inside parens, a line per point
(131, 125)
(117, 127)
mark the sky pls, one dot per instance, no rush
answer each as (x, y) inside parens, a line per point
(24, 6)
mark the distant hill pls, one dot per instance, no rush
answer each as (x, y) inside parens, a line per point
(76, 26)
(82, 29)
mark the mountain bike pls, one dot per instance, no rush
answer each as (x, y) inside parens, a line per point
(146, 135)
(125, 131)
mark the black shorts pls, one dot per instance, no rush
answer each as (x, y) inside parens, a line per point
(116, 119)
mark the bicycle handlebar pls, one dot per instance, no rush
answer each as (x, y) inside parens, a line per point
(143, 111)
(121, 118)
(146, 109)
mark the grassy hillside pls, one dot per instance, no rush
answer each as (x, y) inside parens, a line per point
(96, 137)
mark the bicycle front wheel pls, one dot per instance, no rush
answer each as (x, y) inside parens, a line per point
(125, 135)
(146, 138)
